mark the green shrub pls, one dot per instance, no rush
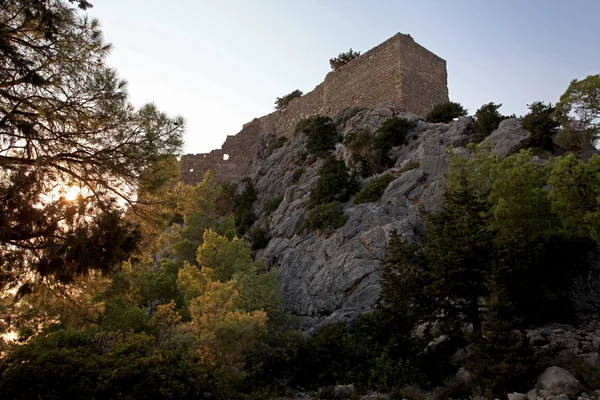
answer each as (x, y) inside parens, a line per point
(260, 238)
(244, 216)
(487, 120)
(297, 174)
(542, 124)
(277, 143)
(322, 135)
(392, 133)
(374, 189)
(334, 184)
(272, 203)
(282, 102)
(324, 217)
(370, 153)
(446, 112)
(342, 59)
(358, 141)
(412, 164)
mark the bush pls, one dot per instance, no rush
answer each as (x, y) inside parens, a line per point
(358, 141)
(542, 124)
(260, 238)
(487, 120)
(272, 203)
(392, 133)
(322, 135)
(374, 189)
(412, 164)
(370, 153)
(244, 216)
(324, 218)
(282, 102)
(277, 143)
(446, 112)
(334, 184)
(297, 174)
(342, 59)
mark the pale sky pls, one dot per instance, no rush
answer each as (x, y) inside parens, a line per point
(221, 63)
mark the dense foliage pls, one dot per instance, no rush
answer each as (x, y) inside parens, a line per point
(374, 189)
(106, 300)
(74, 152)
(324, 218)
(334, 184)
(487, 120)
(503, 238)
(542, 124)
(371, 152)
(446, 112)
(322, 135)
(244, 216)
(579, 114)
(342, 59)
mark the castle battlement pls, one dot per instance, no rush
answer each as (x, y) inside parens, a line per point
(398, 71)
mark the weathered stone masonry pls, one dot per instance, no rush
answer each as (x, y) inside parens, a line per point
(398, 71)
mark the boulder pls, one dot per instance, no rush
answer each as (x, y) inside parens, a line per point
(558, 381)
(464, 376)
(517, 396)
(344, 392)
(509, 138)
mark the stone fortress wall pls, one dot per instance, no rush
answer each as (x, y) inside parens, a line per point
(399, 71)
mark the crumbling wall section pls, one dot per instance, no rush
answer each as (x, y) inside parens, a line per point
(399, 71)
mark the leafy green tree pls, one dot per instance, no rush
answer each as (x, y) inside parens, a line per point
(579, 113)
(322, 135)
(342, 59)
(446, 112)
(574, 195)
(542, 124)
(487, 120)
(282, 103)
(334, 184)
(497, 224)
(244, 216)
(65, 122)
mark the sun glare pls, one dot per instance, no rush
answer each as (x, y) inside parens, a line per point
(71, 192)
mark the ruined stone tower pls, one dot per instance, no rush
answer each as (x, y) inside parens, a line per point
(399, 71)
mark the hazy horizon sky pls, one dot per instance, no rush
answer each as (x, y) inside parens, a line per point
(222, 63)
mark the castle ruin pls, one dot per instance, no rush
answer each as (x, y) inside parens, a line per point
(399, 71)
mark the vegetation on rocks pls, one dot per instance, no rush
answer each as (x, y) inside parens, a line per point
(141, 287)
(282, 103)
(446, 112)
(374, 189)
(324, 218)
(334, 184)
(343, 59)
(543, 125)
(487, 120)
(322, 135)
(244, 216)
(370, 153)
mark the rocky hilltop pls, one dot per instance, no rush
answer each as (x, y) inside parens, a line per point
(327, 278)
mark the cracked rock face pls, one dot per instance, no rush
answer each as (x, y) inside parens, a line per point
(334, 277)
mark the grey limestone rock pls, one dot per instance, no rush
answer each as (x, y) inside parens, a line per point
(517, 396)
(558, 381)
(509, 138)
(334, 277)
